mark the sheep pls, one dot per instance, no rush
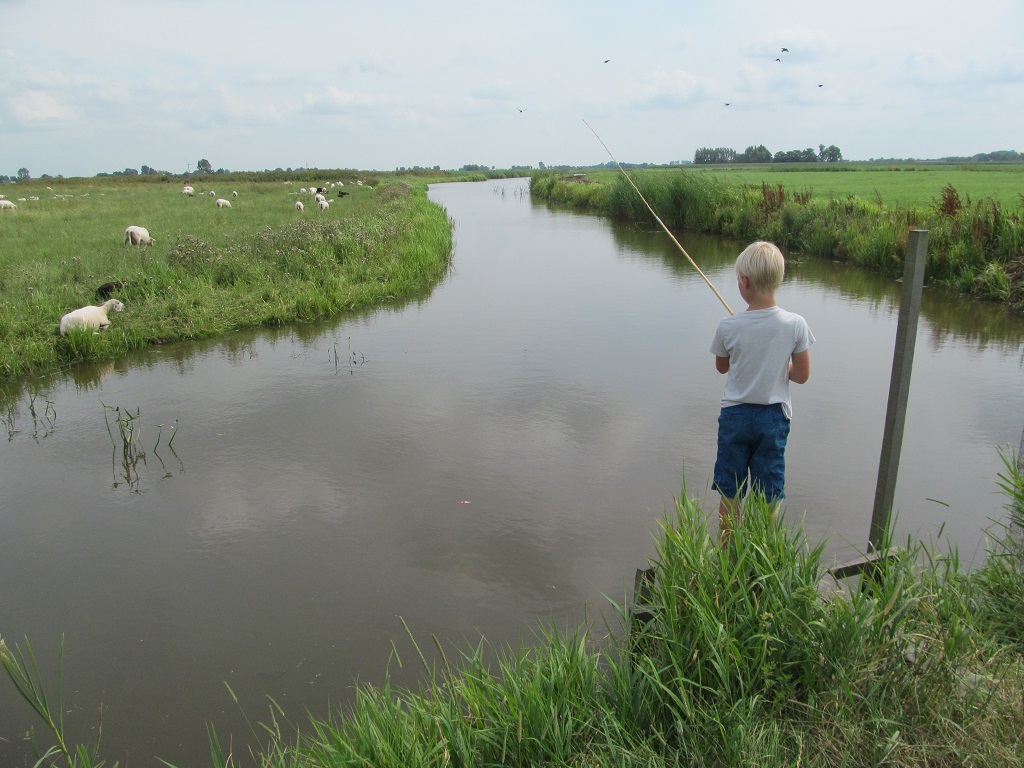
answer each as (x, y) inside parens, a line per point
(298, 205)
(324, 204)
(319, 197)
(105, 290)
(212, 193)
(234, 194)
(222, 203)
(7, 205)
(138, 236)
(342, 193)
(187, 190)
(302, 190)
(90, 317)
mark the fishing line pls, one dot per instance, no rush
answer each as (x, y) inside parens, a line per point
(658, 219)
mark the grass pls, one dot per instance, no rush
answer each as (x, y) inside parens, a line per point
(908, 184)
(738, 661)
(211, 270)
(976, 243)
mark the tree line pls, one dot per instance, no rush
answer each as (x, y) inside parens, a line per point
(761, 154)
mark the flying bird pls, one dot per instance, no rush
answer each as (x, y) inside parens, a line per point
(521, 110)
(785, 50)
(728, 103)
(606, 61)
(821, 85)
(778, 59)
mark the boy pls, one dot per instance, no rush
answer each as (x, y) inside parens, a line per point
(761, 350)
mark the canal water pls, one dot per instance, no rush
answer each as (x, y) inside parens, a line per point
(481, 461)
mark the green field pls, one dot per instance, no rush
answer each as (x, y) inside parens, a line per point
(211, 270)
(913, 185)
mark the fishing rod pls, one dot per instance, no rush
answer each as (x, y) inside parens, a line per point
(657, 219)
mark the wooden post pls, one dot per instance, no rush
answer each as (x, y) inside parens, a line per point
(899, 385)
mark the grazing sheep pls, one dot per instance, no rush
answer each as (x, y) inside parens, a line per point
(302, 190)
(342, 193)
(7, 205)
(319, 197)
(234, 194)
(90, 317)
(321, 190)
(298, 205)
(187, 190)
(222, 203)
(212, 193)
(105, 290)
(324, 204)
(138, 236)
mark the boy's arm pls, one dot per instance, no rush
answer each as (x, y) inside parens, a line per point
(800, 367)
(722, 364)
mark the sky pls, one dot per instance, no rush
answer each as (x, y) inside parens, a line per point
(90, 87)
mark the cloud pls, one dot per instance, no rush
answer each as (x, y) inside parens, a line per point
(671, 89)
(34, 107)
(337, 101)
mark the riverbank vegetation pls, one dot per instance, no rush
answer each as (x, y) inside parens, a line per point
(211, 270)
(976, 238)
(732, 658)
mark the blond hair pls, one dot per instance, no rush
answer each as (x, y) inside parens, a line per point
(764, 264)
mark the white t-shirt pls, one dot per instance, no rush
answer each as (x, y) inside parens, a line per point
(759, 344)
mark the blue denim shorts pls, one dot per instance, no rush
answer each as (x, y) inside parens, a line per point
(752, 439)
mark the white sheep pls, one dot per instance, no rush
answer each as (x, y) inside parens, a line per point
(212, 193)
(222, 203)
(90, 317)
(319, 197)
(298, 205)
(302, 190)
(138, 236)
(188, 190)
(234, 194)
(324, 204)
(7, 205)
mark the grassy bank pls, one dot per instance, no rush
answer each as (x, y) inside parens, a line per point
(976, 242)
(211, 270)
(906, 183)
(738, 661)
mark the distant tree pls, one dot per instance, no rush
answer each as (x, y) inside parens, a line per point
(147, 171)
(829, 154)
(719, 155)
(203, 166)
(796, 156)
(1002, 155)
(24, 175)
(130, 172)
(758, 154)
